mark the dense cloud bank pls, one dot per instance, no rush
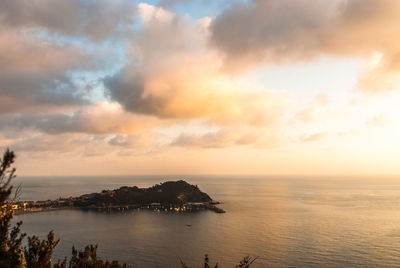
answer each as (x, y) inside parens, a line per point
(114, 72)
(286, 31)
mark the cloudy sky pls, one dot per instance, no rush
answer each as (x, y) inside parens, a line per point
(201, 86)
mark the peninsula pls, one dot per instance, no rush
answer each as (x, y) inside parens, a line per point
(178, 196)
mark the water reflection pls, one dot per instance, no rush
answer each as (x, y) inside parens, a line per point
(285, 221)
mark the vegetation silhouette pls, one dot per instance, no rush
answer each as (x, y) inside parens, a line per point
(38, 253)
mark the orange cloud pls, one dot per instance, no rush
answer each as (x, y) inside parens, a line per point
(173, 74)
(218, 139)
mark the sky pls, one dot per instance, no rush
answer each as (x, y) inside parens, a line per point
(243, 87)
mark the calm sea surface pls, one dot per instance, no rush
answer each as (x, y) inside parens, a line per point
(286, 222)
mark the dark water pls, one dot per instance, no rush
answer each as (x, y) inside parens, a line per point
(286, 222)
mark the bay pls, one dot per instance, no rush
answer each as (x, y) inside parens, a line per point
(284, 221)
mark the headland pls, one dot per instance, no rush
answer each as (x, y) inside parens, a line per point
(176, 196)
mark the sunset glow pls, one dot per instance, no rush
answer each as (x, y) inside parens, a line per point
(170, 87)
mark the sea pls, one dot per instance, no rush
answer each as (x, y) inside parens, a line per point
(281, 221)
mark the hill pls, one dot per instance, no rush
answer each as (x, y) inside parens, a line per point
(167, 193)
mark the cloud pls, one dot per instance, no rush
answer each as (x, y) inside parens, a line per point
(102, 118)
(131, 140)
(172, 3)
(90, 19)
(285, 31)
(269, 30)
(29, 92)
(84, 144)
(222, 138)
(21, 51)
(41, 144)
(40, 73)
(134, 144)
(35, 74)
(173, 74)
(313, 137)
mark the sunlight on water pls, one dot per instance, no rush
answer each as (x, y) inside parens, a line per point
(286, 222)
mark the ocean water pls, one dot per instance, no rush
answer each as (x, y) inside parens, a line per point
(284, 221)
